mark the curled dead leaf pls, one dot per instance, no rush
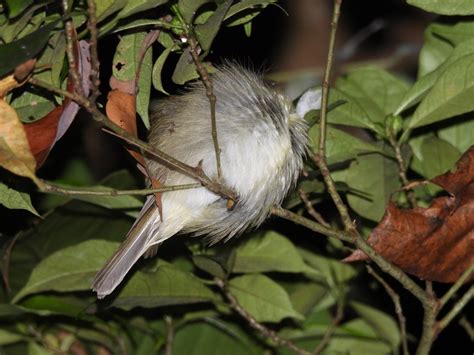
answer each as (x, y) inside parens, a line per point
(15, 154)
(434, 243)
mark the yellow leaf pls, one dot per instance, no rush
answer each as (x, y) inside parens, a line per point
(15, 154)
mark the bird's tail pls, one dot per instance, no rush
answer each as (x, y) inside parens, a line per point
(136, 243)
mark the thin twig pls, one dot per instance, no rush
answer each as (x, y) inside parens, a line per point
(398, 308)
(169, 335)
(6, 262)
(171, 163)
(331, 329)
(320, 158)
(73, 191)
(457, 308)
(71, 49)
(253, 323)
(456, 286)
(207, 81)
(428, 335)
(92, 27)
(464, 322)
(310, 208)
(402, 169)
(70, 95)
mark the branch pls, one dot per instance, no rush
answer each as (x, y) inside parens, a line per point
(206, 80)
(457, 308)
(253, 323)
(92, 27)
(330, 331)
(398, 308)
(320, 158)
(311, 210)
(72, 191)
(456, 286)
(169, 335)
(402, 169)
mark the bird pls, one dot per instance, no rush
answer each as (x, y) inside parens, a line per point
(262, 144)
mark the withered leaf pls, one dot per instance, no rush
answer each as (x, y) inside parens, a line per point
(15, 154)
(434, 243)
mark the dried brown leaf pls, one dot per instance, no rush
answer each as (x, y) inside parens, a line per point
(434, 243)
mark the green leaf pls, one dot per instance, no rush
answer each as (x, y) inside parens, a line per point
(340, 146)
(13, 199)
(209, 265)
(144, 87)
(105, 8)
(332, 271)
(425, 83)
(450, 96)
(185, 69)
(434, 52)
(384, 325)
(7, 337)
(445, 7)
(67, 226)
(157, 69)
(244, 11)
(456, 32)
(213, 339)
(46, 305)
(188, 8)
(376, 178)
(33, 105)
(16, 7)
(350, 112)
(136, 6)
(69, 269)
(305, 296)
(206, 32)
(165, 285)
(126, 57)
(263, 298)
(433, 156)
(459, 135)
(15, 53)
(268, 252)
(376, 92)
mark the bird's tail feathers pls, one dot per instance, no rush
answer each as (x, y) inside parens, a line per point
(145, 227)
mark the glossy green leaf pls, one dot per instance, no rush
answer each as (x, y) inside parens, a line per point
(158, 68)
(455, 32)
(144, 87)
(422, 86)
(22, 25)
(214, 338)
(67, 226)
(450, 96)
(244, 11)
(263, 298)
(105, 8)
(165, 285)
(268, 252)
(188, 8)
(376, 91)
(136, 6)
(185, 69)
(375, 178)
(350, 112)
(18, 52)
(445, 7)
(68, 269)
(433, 156)
(340, 146)
(459, 134)
(13, 199)
(384, 325)
(332, 272)
(434, 52)
(16, 7)
(206, 32)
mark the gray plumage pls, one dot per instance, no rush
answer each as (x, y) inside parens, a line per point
(262, 148)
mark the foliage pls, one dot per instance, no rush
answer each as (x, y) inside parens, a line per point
(189, 297)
